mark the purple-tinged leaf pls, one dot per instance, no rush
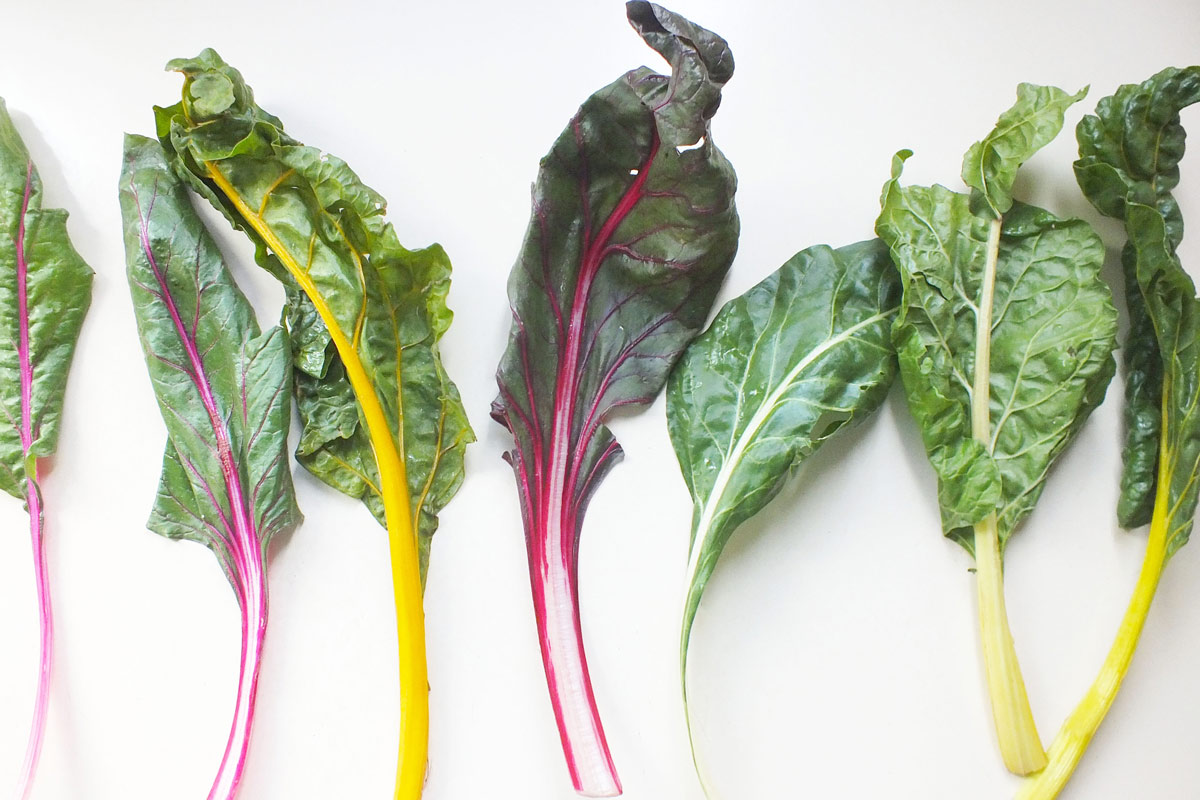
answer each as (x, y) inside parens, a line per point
(632, 232)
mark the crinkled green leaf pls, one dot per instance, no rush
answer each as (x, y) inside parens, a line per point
(1051, 335)
(58, 291)
(1129, 153)
(390, 301)
(1174, 309)
(1143, 404)
(1131, 147)
(222, 385)
(990, 166)
(805, 353)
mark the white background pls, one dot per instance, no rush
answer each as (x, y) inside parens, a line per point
(835, 654)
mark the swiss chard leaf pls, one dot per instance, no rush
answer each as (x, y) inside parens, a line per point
(804, 354)
(388, 300)
(1143, 404)
(990, 166)
(1004, 338)
(632, 232)
(1174, 310)
(1129, 164)
(1129, 154)
(45, 291)
(223, 388)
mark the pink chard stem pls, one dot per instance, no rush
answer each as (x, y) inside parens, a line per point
(240, 539)
(554, 550)
(556, 606)
(632, 230)
(254, 630)
(33, 749)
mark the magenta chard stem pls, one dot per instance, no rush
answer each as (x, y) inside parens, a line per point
(253, 603)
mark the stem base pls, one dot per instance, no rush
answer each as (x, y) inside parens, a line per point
(1020, 746)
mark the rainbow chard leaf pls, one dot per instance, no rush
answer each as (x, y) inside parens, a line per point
(632, 232)
(1129, 154)
(1004, 337)
(45, 291)
(223, 389)
(382, 420)
(801, 356)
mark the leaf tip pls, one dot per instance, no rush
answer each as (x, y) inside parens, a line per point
(206, 59)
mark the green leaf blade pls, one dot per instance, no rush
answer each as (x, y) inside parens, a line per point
(1174, 309)
(39, 261)
(1143, 404)
(1054, 329)
(802, 355)
(931, 234)
(990, 165)
(1052, 322)
(222, 385)
(1129, 154)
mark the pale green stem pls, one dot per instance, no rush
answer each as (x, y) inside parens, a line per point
(701, 773)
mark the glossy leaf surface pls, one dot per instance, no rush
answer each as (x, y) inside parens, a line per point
(804, 354)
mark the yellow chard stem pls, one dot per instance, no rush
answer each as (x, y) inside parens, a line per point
(402, 540)
(1020, 746)
(1077, 732)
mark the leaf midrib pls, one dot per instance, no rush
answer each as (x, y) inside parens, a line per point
(981, 396)
(764, 411)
